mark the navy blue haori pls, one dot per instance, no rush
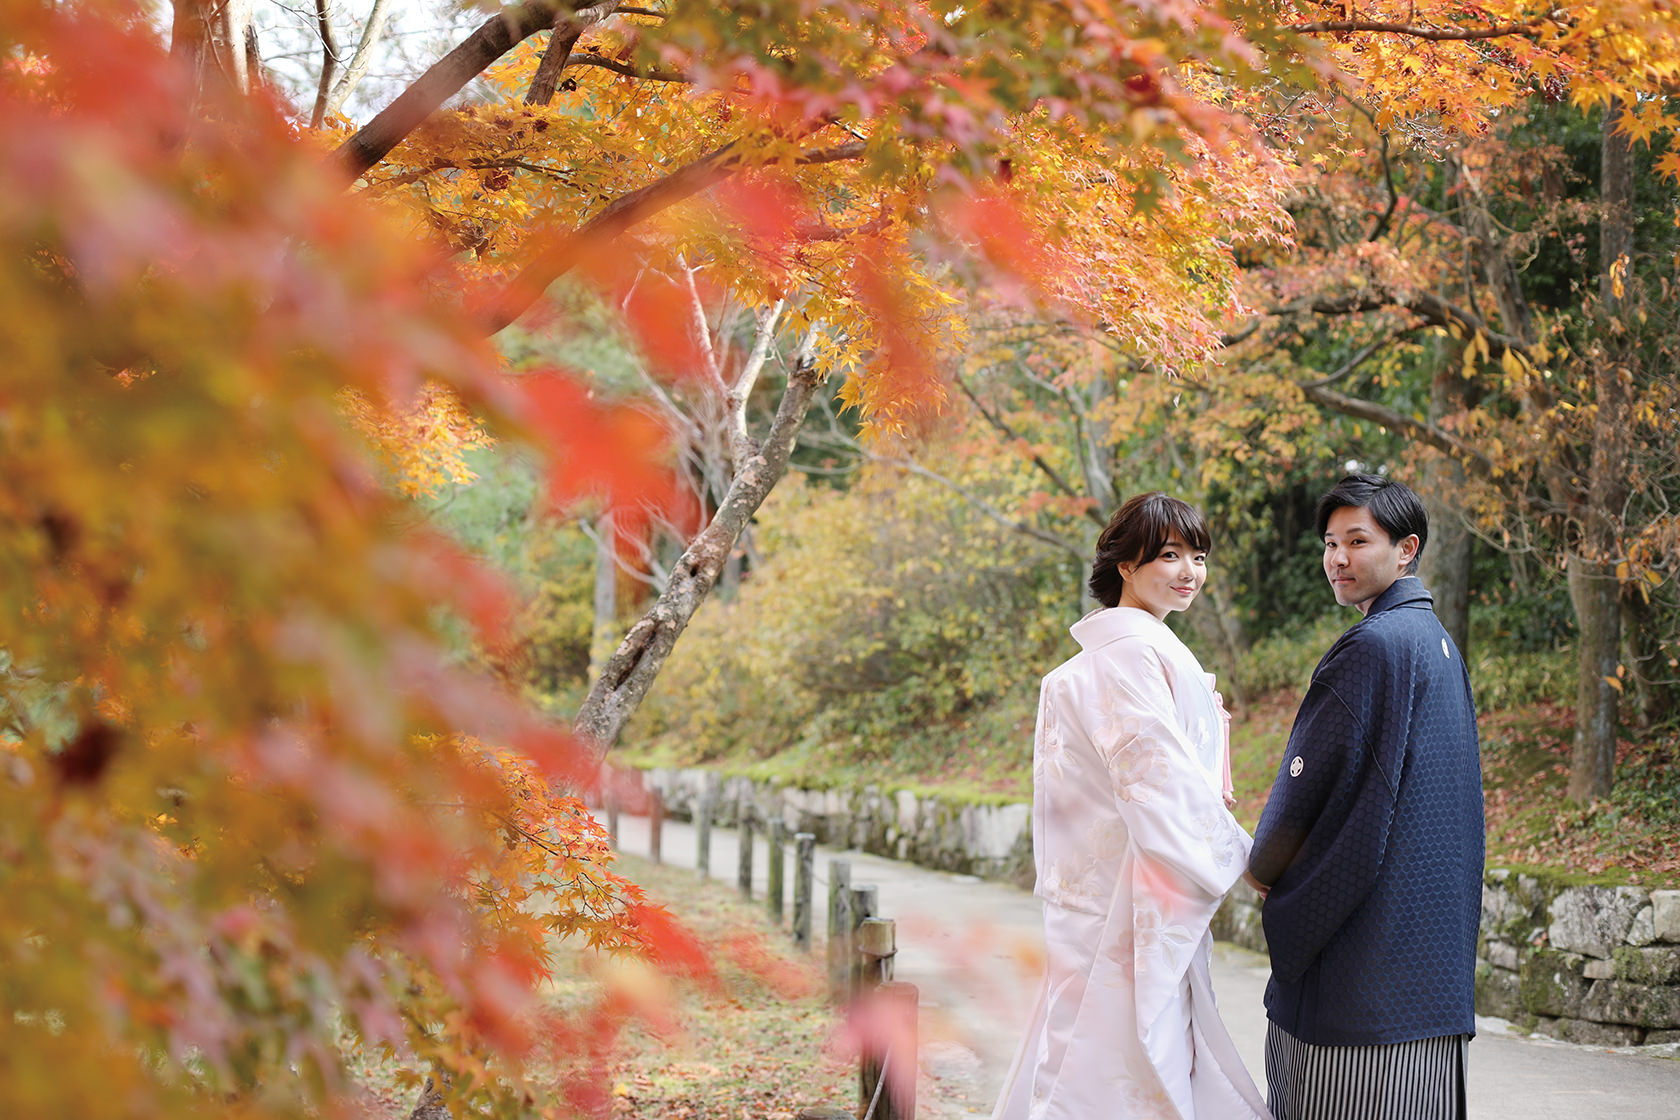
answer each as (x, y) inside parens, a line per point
(1372, 839)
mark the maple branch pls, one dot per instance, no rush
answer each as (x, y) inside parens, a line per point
(1438, 438)
(910, 466)
(1393, 195)
(741, 446)
(703, 331)
(1350, 365)
(1415, 31)
(486, 164)
(1474, 460)
(627, 675)
(1013, 436)
(568, 29)
(559, 52)
(562, 254)
(1428, 306)
(628, 70)
(443, 80)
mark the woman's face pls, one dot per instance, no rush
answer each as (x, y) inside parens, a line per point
(1169, 582)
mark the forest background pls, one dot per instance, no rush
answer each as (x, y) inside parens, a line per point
(824, 339)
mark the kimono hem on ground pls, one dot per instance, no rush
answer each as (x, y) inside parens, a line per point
(1134, 849)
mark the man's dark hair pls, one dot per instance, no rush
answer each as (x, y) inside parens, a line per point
(1136, 534)
(1396, 509)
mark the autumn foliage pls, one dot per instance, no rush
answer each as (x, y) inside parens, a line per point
(242, 820)
(251, 811)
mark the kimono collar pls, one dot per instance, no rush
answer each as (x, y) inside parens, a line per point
(1110, 624)
(1402, 592)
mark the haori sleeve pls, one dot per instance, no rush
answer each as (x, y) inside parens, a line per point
(1324, 832)
(1172, 812)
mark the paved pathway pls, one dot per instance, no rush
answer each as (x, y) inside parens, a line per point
(973, 948)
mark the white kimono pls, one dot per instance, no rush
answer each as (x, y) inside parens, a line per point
(1134, 849)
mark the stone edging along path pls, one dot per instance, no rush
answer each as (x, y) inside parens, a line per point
(1587, 964)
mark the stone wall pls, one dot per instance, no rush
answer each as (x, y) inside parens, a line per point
(1587, 964)
(991, 841)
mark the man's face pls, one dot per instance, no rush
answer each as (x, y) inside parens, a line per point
(1359, 558)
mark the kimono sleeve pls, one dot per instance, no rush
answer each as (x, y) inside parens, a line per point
(1323, 835)
(1171, 808)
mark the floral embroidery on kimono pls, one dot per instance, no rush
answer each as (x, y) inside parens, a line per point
(1134, 850)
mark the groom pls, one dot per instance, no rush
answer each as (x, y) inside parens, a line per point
(1369, 851)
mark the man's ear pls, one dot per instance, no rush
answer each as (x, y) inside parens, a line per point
(1408, 549)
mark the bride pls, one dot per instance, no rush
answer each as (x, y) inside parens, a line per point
(1135, 845)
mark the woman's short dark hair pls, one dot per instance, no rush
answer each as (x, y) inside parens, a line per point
(1394, 507)
(1136, 534)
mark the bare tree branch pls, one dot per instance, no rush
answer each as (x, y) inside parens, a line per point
(702, 329)
(372, 32)
(329, 63)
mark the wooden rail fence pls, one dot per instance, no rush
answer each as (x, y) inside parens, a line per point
(861, 947)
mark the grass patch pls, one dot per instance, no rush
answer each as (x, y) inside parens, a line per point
(982, 755)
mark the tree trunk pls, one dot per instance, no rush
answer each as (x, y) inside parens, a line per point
(1596, 596)
(606, 596)
(217, 39)
(1647, 700)
(1445, 565)
(1593, 584)
(619, 690)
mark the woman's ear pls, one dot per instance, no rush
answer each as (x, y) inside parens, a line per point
(1125, 570)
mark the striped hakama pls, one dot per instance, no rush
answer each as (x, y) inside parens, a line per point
(1422, 1080)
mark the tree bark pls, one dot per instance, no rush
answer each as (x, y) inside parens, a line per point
(329, 62)
(1593, 584)
(1594, 593)
(615, 695)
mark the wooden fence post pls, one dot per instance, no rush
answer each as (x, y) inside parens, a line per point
(743, 867)
(839, 929)
(805, 855)
(887, 1069)
(656, 825)
(774, 894)
(703, 830)
(865, 903)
